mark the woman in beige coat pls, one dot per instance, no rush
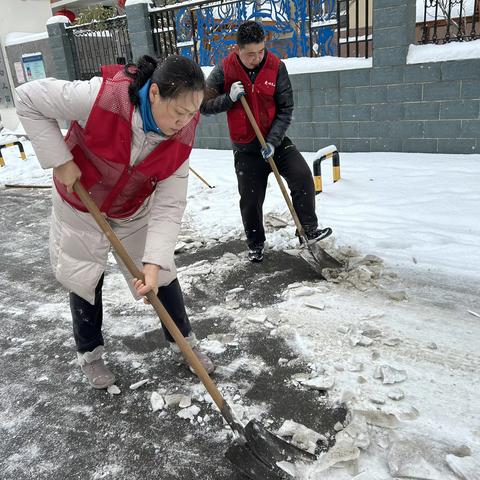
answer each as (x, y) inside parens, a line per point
(130, 137)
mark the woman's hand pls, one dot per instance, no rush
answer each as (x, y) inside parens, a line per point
(67, 174)
(150, 271)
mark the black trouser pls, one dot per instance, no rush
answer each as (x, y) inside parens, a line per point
(87, 318)
(252, 175)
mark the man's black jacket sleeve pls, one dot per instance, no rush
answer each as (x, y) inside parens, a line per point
(284, 102)
(216, 101)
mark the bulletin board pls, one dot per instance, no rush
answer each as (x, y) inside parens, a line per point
(33, 66)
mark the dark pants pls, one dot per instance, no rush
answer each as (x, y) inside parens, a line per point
(87, 318)
(252, 175)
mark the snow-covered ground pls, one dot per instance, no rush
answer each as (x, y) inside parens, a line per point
(413, 210)
(398, 339)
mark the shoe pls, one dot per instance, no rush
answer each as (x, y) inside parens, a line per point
(316, 234)
(255, 254)
(94, 368)
(202, 356)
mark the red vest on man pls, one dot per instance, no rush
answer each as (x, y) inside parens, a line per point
(102, 152)
(259, 95)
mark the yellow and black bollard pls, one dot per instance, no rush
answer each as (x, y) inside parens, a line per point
(13, 144)
(324, 154)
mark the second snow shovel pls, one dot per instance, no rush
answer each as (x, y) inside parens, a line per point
(318, 258)
(255, 451)
(200, 177)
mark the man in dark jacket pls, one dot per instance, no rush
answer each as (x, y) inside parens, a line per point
(261, 77)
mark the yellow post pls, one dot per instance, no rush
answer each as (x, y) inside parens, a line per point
(14, 144)
(22, 151)
(336, 167)
(320, 156)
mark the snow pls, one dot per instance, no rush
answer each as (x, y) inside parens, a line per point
(58, 19)
(416, 54)
(441, 53)
(400, 353)
(15, 38)
(410, 209)
(318, 64)
(325, 151)
(135, 2)
(325, 64)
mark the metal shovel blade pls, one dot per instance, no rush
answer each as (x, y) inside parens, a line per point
(271, 448)
(247, 463)
(258, 458)
(318, 258)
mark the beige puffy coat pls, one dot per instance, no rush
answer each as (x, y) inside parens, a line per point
(78, 249)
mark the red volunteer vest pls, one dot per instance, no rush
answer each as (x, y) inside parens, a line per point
(259, 96)
(102, 152)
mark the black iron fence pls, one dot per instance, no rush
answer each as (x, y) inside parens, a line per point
(450, 20)
(340, 27)
(164, 32)
(205, 30)
(99, 43)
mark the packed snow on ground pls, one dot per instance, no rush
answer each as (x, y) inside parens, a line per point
(396, 337)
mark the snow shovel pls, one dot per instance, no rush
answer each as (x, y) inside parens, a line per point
(316, 257)
(255, 451)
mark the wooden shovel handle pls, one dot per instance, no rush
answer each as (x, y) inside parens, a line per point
(274, 168)
(162, 313)
(200, 177)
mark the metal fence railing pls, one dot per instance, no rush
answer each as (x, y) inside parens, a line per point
(164, 32)
(445, 21)
(99, 43)
(205, 29)
(341, 27)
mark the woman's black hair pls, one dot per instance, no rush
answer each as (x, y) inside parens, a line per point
(173, 75)
(250, 32)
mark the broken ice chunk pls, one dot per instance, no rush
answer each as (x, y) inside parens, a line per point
(261, 318)
(396, 394)
(157, 401)
(321, 382)
(189, 413)
(302, 436)
(378, 418)
(185, 401)
(113, 390)
(136, 385)
(390, 375)
(377, 398)
(466, 468)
